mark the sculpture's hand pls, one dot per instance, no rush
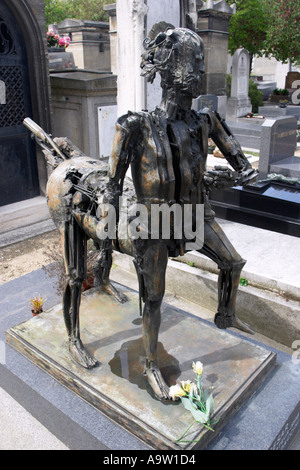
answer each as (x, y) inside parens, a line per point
(222, 177)
(246, 177)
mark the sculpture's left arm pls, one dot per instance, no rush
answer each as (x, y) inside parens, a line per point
(226, 142)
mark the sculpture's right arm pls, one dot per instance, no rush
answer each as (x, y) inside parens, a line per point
(120, 157)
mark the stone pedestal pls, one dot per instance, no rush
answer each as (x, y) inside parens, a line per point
(238, 107)
(213, 27)
(76, 98)
(233, 366)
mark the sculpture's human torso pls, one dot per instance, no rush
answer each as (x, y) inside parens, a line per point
(169, 158)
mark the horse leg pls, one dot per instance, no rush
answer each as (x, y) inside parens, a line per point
(218, 248)
(74, 243)
(102, 267)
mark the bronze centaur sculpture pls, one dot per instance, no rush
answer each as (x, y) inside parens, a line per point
(166, 150)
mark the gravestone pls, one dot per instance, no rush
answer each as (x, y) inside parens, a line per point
(76, 98)
(239, 104)
(291, 77)
(89, 45)
(60, 61)
(206, 101)
(278, 144)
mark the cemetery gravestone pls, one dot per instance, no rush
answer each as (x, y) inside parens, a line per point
(60, 61)
(278, 143)
(76, 97)
(89, 43)
(206, 101)
(290, 79)
(239, 104)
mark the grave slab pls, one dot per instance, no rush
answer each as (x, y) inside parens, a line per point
(233, 366)
(289, 167)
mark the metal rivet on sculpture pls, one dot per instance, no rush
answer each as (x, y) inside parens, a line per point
(166, 150)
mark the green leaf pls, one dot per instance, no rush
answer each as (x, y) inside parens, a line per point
(199, 416)
(205, 395)
(188, 404)
(209, 405)
(243, 281)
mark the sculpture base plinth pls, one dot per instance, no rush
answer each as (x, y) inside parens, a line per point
(112, 332)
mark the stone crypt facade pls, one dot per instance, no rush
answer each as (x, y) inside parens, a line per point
(25, 91)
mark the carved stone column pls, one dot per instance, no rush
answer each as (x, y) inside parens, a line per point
(131, 33)
(213, 27)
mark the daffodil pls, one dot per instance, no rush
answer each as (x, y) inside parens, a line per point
(197, 367)
(176, 391)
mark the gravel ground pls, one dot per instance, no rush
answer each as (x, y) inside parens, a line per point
(27, 256)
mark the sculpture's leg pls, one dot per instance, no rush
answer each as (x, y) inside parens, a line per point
(153, 260)
(219, 249)
(228, 284)
(102, 267)
(74, 242)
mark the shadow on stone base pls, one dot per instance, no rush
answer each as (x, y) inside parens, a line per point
(233, 366)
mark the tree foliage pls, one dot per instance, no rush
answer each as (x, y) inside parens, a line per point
(58, 10)
(283, 33)
(266, 27)
(248, 26)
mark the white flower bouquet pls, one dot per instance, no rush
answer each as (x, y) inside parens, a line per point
(195, 399)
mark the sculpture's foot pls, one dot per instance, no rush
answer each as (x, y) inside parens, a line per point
(222, 322)
(81, 355)
(156, 381)
(109, 289)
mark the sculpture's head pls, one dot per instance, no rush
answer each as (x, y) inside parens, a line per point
(178, 55)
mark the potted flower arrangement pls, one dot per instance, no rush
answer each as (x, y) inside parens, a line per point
(55, 42)
(283, 103)
(37, 305)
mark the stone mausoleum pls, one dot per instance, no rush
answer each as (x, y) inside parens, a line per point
(25, 91)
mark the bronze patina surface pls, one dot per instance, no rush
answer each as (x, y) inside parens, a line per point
(112, 333)
(166, 151)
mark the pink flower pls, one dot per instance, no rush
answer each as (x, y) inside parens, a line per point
(63, 42)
